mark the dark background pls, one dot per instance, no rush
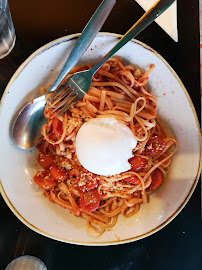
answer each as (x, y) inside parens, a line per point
(179, 244)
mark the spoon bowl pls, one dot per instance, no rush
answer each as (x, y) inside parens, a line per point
(26, 129)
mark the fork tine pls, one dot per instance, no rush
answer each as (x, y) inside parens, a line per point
(62, 96)
(70, 97)
(70, 103)
(57, 92)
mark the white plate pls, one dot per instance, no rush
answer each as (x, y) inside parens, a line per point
(17, 167)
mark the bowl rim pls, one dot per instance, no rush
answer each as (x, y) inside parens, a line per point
(132, 239)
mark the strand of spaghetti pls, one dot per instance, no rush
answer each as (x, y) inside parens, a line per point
(97, 78)
(107, 202)
(122, 105)
(132, 202)
(159, 163)
(146, 74)
(129, 67)
(102, 100)
(63, 204)
(169, 142)
(118, 62)
(91, 98)
(72, 202)
(112, 222)
(147, 115)
(132, 213)
(161, 128)
(114, 112)
(116, 108)
(91, 109)
(138, 83)
(98, 230)
(149, 97)
(139, 120)
(147, 182)
(118, 95)
(80, 104)
(86, 112)
(70, 136)
(115, 78)
(99, 217)
(109, 103)
(108, 195)
(111, 214)
(94, 91)
(150, 123)
(121, 101)
(117, 85)
(134, 109)
(144, 106)
(166, 163)
(145, 92)
(127, 77)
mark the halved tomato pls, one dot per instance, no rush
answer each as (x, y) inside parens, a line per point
(156, 179)
(44, 180)
(42, 146)
(155, 146)
(89, 200)
(132, 180)
(58, 174)
(57, 126)
(137, 163)
(87, 180)
(45, 160)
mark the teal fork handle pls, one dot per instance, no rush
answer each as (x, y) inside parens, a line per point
(85, 39)
(156, 10)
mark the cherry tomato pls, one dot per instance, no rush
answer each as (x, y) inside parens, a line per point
(132, 180)
(156, 179)
(45, 147)
(45, 160)
(44, 180)
(42, 147)
(51, 148)
(137, 163)
(155, 146)
(57, 126)
(87, 180)
(89, 200)
(58, 174)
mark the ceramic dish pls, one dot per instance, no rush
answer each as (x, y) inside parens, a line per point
(17, 167)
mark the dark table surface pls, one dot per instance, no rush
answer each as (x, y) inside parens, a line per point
(179, 244)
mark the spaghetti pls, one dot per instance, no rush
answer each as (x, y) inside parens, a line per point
(116, 91)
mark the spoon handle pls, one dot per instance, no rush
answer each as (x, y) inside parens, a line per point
(85, 39)
(149, 16)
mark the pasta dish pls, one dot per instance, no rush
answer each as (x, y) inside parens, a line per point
(118, 91)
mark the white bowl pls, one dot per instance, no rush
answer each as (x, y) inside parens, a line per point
(17, 167)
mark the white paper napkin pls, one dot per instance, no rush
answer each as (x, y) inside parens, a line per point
(167, 20)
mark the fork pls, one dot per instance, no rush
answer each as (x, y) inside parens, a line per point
(79, 83)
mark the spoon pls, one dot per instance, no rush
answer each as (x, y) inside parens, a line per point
(26, 127)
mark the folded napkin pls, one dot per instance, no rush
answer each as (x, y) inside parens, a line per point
(167, 20)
